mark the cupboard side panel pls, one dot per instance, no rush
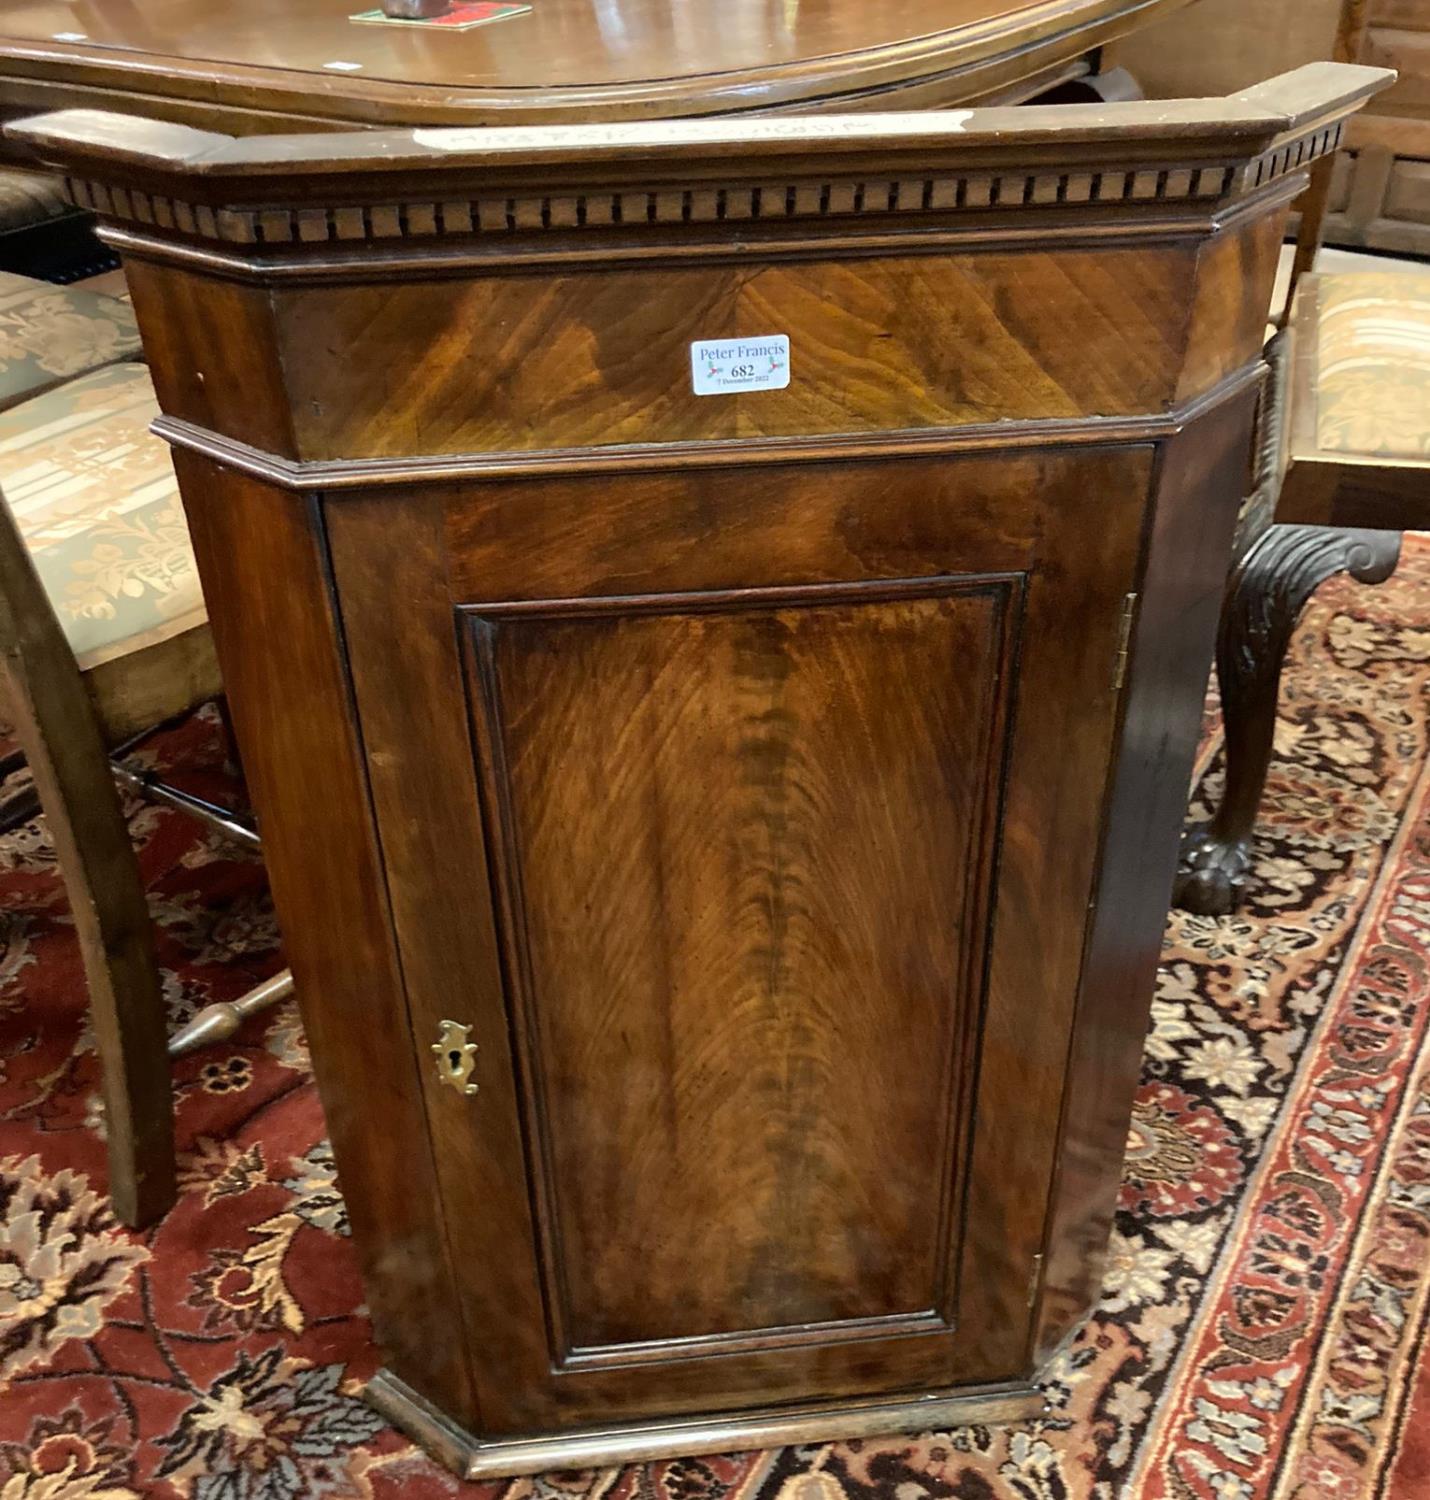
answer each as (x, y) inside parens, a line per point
(1236, 273)
(1201, 479)
(1085, 563)
(261, 557)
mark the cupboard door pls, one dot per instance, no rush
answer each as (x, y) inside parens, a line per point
(790, 784)
(746, 842)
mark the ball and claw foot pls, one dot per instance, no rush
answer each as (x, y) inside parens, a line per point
(1212, 872)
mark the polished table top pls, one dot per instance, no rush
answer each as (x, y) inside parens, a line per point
(246, 65)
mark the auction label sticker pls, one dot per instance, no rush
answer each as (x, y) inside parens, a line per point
(720, 367)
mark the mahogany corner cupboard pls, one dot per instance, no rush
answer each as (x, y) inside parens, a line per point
(716, 616)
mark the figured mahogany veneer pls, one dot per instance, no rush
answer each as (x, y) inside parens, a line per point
(779, 790)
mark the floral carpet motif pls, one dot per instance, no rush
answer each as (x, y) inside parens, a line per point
(1262, 1329)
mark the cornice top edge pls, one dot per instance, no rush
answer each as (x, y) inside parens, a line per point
(1098, 164)
(1116, 194)
(117, 145)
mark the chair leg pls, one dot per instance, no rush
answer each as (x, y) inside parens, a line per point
(1265, 596)
(56, 726)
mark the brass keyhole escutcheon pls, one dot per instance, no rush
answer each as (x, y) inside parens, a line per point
(456, 1057)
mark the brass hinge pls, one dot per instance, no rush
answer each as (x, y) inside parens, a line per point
(1124, 641)
(1035, 1279)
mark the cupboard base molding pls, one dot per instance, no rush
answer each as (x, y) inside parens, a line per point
(473, 1458)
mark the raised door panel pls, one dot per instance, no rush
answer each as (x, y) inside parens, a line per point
(746, 850)
(1408, 196)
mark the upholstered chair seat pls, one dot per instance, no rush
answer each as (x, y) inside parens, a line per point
(94, 495)
(50, 334)
(1373, 364)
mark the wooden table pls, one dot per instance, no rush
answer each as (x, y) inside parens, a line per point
(245, 66)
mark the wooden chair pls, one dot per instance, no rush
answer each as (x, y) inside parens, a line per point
(103, 637)
(1342, 467)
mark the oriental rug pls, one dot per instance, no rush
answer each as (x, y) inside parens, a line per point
(1262, 1331)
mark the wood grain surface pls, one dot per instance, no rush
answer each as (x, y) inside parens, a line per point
(266, 65)
(729, 827)
(752, 847)
(779, 790)
(263, 560)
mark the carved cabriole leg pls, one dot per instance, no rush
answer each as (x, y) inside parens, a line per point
(1264, 600)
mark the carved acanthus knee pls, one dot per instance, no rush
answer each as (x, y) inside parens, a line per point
(1267, 591)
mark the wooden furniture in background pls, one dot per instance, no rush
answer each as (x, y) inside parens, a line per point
(730, 832)
(1380, 197)
(270, 65)
(102, 638)
(1277, 568)
(1211, 47)
(1343, 466)
(1356, 441)
(54, 721)
(1380, 189)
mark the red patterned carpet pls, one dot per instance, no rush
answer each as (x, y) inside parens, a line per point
(1263, 1325)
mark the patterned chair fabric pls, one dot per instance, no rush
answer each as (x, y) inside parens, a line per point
(94, 493)
(49, 334)
(29, 198)
(1373, 364)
